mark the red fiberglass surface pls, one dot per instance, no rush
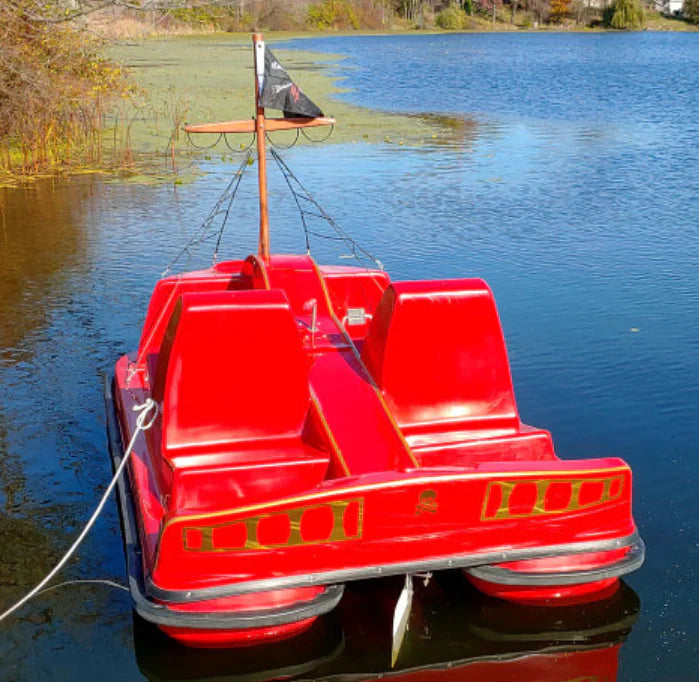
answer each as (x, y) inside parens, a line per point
(323, 424)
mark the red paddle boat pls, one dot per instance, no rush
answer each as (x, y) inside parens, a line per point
(323, 424)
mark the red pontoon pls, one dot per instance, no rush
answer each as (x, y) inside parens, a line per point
(322, 424)
(455, 634)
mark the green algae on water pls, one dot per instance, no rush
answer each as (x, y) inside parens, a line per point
(186, 79)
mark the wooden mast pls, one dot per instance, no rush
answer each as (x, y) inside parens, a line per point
(260, 130)
(260, 125)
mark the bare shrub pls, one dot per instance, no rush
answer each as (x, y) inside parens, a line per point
(54, 87)
(333, 14)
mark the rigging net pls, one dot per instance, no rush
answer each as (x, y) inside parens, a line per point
(205, 233)
(309, 211)
(309, 208)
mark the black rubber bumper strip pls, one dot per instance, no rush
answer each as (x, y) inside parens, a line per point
(467, 561)
(162, 614)
(500, 575)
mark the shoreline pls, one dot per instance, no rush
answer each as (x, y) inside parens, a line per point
(197, 78)
(683, 27)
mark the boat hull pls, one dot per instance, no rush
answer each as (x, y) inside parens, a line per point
(455, 633)
(562, 580)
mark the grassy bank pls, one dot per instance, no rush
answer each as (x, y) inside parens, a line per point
(195, 79)
(180, 79)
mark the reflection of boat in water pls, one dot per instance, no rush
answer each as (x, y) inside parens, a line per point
(318, 425)
(455, 633)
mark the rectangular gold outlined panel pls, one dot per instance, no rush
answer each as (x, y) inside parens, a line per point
(335, 521)
(498, 501)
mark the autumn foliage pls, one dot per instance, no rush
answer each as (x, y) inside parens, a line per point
(559, 10)
(54, 88)
(331, 14)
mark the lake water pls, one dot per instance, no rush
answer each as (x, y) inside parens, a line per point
(570, 182)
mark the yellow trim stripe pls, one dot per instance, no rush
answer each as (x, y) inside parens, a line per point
(396, 483)
(506, 488)
(329, 433)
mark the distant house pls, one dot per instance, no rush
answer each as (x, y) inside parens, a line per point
(669, 7)
(675, 6)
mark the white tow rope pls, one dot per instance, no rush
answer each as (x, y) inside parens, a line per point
(146, 418)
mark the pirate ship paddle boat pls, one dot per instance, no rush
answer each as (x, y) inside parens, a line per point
(323, 424)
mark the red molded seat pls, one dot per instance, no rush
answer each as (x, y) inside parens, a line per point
(437, 353)
(232, 381)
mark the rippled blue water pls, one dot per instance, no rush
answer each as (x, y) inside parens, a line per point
(572, 190)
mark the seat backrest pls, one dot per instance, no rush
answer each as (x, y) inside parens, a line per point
(230, 370)
(437, 352)
(169, 289)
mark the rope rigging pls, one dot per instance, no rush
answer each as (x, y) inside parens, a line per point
(321, 140)
(303, 198)
(203, 147)
(222, 207)
(241, 148)
(268, 137)
(308, 208)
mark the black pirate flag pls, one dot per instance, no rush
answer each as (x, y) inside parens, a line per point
(280, 92)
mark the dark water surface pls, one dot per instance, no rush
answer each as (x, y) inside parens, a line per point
(571, 185)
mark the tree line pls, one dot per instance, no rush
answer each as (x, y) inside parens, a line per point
(54, 87)
(243, 15)
(419, 14)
